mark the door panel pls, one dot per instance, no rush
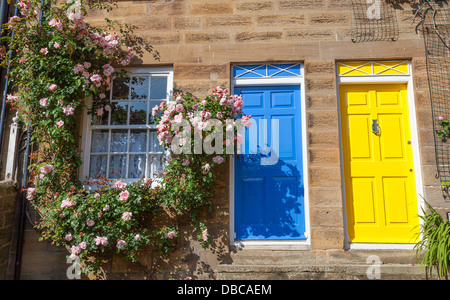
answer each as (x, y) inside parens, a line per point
(381, 198)
(269, 199)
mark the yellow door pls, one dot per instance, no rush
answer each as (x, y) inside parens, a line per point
(379, 171)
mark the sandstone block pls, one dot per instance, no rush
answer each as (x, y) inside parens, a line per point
(320, 156)
(210, 8)
(327, 217)
(327, 18)
(319, 68)
(325, 197)
(167, 8)
(322, 120)
(325, 176)
(187, 22)
(200, 71)
(312, 34)
(229, 22)
(254, 6)
(306, 4)
(281, 20)
(328, 238)
(323, 139)
(321, 102)
(251, 36)
(206, 37)
(320, 85)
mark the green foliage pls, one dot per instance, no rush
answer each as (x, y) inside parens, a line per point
(435, 242)
(444, 132)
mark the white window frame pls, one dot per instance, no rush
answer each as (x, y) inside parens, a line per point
(275, 244)
(87, 127)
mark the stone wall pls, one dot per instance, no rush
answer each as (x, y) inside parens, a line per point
(8, 201)
(201, 39)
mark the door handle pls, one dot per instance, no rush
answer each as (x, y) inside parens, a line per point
(375, 127)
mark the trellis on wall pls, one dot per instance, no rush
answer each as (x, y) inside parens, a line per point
(436, 30)
(374, 20)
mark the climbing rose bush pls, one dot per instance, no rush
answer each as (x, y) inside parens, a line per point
(200, 134)
(56, 62)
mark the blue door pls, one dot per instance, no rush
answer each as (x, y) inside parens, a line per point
(269, 197)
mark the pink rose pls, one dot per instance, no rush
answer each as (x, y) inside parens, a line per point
(119, 184)
(126, 216)
(68, 237)
(155, 110)
(124, 195)
(82, 245)
(121, 244)
(246, 121)
(75, 250)
(441, 118)
(66, 203)
(44, 50)
(101, 240)
(60, 123)
(56, 45)
(55, 23)
(218, 159)
(170, 235)
(30, 193)
(43, 102)
(96, 78)
(206, 168)
(52, 87)
(179, 108)
(90, 223)
(68, 110)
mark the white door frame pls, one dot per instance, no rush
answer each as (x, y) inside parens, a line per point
(385, 79)
(275, 244)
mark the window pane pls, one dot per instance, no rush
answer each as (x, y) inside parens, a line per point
(121, 88)
(158, 89)
(138, 112)
(156, 165)
(100, 120)
(119, 139)
(99, 142)
(136, 167)
(97, 166)
(139, 88)
(117, 166)
(151, 119)
(154, 145)
(119, 113)
(138, 141)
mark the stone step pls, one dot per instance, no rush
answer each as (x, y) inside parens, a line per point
(299, 257)
(321, 272)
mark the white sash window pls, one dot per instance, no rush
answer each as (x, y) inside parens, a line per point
(122, 143)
